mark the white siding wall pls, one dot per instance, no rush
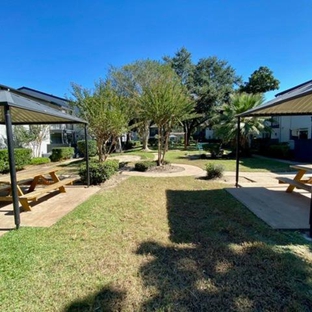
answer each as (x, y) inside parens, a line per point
(293, 123)
(3, 135)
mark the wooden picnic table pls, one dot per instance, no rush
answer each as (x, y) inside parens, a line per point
(300, 180)
(27, 182)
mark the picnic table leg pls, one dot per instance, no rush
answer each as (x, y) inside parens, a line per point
(33, 184)
(19, 191)
(298, 177)
(55, 179)
(25, 204)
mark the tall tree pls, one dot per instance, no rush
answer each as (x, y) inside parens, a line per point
(130, 81)
(165, 101)
(226, 123)
(32, 135)
(260, 81)
(209, 82)
(106, 112)
(183, 66)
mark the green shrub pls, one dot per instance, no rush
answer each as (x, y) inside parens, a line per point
(213, 148)
(144, 165)
(152, 141)
(214, 171)
(128, 145)
(61, 153)
(92, 149)
(22, 157)
(99, 171)
(39, 160)
(280, 150)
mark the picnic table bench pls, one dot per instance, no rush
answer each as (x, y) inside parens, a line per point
(298, 181)
(27, 182)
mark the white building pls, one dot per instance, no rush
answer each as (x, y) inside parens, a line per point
(290, 128)
(59, 135)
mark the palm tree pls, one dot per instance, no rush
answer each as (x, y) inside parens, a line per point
(225, 121)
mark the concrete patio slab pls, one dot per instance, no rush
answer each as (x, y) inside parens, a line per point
(280, 210)
(48, 210)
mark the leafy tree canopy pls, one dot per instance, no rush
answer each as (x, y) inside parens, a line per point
(225, 121)
(132, 81)
(209, 82)
(260, 81)
(167, 103)
(106, 112)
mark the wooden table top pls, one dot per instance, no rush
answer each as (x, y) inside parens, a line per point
(29, 173)
(307, 168)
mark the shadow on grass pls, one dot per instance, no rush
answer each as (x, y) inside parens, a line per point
(108, 299)
(265, 163)
(221, 259)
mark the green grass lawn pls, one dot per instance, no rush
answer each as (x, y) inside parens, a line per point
(193, 157)
(175, 244)
(246, 164)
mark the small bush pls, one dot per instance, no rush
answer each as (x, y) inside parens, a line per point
(92, 149)
(61, 153)
(152, 142)
(144, 165)
(214, 171)
(99, 171)
(214, 149)
(39, 160)
(22, 157)
(128, 145)
(280, 150)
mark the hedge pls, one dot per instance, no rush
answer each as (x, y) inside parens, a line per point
(61, 153)
(39, 160)
(92, 149)
(22, 157)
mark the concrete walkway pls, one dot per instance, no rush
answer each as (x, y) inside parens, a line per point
(48, 209)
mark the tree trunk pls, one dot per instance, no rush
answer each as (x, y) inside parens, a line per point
(186, 139)
(119, 146)
(145, 136)
(165, 146)
(187, 134)
(160, 137)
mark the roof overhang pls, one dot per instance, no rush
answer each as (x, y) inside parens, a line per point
(27, 111)
(294, 103)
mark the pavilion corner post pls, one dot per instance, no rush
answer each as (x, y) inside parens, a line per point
(87, 155)
(9, 131)
(237, 151)
(310, 218)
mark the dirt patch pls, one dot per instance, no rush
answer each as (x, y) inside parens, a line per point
(157, 169)
(166, 169)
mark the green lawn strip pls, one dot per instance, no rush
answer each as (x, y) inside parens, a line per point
(175, 244)
(246, 164)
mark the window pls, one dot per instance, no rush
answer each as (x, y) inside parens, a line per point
(302, 134)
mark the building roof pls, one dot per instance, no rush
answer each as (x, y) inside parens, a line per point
(52, 99)
(302, 87)
(294, 101)
(25, 110)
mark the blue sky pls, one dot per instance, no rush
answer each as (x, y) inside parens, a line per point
(46, 45)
